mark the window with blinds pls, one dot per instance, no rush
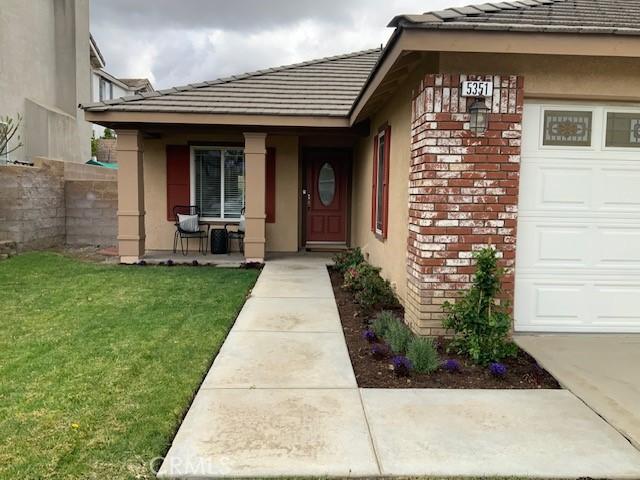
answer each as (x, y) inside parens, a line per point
(219, 182)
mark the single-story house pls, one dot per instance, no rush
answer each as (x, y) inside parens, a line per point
(515, 124)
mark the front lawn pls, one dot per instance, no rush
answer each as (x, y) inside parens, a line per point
(98, 363)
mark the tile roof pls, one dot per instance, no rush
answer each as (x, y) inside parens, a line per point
(559, 16)
(137, 83)
(325, 87)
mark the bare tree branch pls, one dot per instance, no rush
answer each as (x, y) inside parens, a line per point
(8, 129)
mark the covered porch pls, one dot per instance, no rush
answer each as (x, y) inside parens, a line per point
(290, 189)
(274, 145)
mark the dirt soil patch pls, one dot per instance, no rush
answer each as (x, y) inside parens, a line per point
(523, 372)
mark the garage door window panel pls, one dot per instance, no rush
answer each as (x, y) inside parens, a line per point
(623, 130)
(565, 128)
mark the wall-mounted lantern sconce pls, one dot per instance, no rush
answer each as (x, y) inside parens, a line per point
(479, 116)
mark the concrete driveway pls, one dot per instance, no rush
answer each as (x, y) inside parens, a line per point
(602, 370)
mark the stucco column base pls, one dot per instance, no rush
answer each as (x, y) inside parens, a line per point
(131, 232)
(255, 152)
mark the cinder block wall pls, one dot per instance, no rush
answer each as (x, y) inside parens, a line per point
(91, 208)
(54, 203)
(107, 150)
(463, 191)
(32, 205)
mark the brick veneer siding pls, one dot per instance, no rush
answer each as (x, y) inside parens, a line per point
(463, 191)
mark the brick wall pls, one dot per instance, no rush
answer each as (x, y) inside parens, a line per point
(463, 191)
(33, 204)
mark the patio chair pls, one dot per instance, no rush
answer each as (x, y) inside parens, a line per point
(237, 234)
(188, 225)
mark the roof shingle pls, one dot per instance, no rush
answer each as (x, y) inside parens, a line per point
(561, 16)
(326, 87)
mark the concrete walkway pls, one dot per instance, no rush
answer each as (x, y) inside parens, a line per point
(602, 370)
(281, 399)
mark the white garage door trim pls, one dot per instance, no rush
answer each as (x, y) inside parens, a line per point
(578, 243)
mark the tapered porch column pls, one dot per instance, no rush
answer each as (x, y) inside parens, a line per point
(131, 233)
(255, 151)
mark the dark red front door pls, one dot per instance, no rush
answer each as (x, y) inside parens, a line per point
(327, 173)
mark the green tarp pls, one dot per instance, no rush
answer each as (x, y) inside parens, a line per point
(112, 166)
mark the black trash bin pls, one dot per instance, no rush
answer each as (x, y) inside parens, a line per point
(219, 241)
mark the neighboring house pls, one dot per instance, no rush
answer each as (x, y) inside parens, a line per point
(380, 150)
(105, 86)
(44, 75)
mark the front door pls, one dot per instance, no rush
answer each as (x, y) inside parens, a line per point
(326, 192)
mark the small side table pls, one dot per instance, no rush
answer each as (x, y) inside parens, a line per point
(219, 241)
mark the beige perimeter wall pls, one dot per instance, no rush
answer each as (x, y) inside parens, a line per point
(282, 236)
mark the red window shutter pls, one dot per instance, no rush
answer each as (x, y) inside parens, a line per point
(374, 183)
(385, 187)
(178, 177)
(270, 187)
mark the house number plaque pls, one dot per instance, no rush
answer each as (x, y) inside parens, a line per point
(477, 89)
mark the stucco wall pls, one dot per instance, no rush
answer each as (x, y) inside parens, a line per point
(555, 76)
(389, 254)
(45, 74)
(282, 236)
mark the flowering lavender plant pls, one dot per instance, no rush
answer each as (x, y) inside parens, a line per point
(401, 366)
(369, 335)
(451, 366)
(379, 351)
(498, 369)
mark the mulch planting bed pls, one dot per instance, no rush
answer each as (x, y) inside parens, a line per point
(522, 371)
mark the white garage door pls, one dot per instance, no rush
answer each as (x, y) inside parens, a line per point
(578, 245)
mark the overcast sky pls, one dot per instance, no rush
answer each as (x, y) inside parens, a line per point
(175, 42)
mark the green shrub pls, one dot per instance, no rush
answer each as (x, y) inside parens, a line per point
(347, 259)
(369, 288)
(398, 337)
(480, 323)
(423, 355)
(376, 291)
(382, 322)
(356, 277)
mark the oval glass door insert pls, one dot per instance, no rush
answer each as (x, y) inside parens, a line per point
(326, 184)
